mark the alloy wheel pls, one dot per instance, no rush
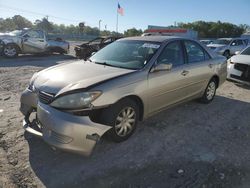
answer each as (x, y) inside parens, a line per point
(211, 90)
(125, 121)
(10, 51)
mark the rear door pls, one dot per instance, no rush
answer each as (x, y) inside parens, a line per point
(34, 41)
(200, 66)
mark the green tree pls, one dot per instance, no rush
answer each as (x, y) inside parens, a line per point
(132, 32)
(215, 29)
(44, 24)
(21, 22)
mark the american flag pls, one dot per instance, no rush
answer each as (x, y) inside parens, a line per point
(120, 10)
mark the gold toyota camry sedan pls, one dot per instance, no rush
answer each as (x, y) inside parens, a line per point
(125, 82)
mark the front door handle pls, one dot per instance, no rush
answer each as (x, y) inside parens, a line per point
(184, 73)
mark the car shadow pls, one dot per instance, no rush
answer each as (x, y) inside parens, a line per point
(244, 86)
(189, 132)
(39, 60)
(241, 85)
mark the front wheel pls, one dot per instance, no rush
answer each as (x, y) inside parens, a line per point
(210, 92)
(123, 117)
(10, 50)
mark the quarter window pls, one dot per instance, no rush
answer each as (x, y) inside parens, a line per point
(172, 54)
(195, 53)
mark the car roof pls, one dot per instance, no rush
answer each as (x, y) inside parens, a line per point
(153, 38)
(230, 38)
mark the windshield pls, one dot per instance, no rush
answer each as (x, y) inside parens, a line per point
(222, 41)
(127, 54)
(246, 51)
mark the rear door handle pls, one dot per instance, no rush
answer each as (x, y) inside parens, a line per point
(184, 73)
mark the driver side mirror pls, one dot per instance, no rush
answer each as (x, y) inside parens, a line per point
(162, 67)
(233, 44)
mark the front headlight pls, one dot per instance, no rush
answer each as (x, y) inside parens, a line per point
(76, 100)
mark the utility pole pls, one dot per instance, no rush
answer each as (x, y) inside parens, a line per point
(100, 25)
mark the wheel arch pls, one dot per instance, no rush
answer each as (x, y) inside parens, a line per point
(14, 44)
(139, 102)
(217, 79)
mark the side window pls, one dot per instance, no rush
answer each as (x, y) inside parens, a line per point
(246, 41)
(195, 53)
(172, 54)
(34, 34)
(240, 42)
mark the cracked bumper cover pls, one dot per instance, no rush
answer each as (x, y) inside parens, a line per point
(62, 130)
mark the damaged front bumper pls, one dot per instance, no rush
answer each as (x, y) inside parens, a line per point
(62, 130)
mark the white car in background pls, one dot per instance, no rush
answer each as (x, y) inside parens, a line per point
(238, 68)
(206, 42)
(228, 46)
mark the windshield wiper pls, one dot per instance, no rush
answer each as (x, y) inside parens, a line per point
(102, 63)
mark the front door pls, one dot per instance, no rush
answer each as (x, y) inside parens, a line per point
(34, 42)
(169, 86)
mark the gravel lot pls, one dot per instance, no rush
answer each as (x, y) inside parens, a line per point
(191, 145)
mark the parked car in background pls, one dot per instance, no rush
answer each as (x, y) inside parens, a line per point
(206, 42)
(239, 67)
(85, 50)
(31, 41)
(123, 83)
(228, 46)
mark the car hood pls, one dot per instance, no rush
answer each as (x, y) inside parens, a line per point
(71, 76)
(243, 59)
(216, 45)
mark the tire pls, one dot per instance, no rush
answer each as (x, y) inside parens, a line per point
(10, 50)
(123, 117)
(226, 54)
(210, 92)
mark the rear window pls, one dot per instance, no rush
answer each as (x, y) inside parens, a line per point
(195, 52)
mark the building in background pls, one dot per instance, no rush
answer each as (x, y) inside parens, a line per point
(170, 31)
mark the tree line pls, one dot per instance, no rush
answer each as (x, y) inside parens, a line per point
(204, 29)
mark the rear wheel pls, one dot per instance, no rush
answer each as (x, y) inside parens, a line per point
(210, 91)
(123, 117)
(10, 50)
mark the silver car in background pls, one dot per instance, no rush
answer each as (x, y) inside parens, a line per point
(228, 46)
(123, 83)
(30, 41)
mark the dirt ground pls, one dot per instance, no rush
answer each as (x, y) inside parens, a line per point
(191, 145)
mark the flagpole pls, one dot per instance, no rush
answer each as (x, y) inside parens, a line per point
(116, 22)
